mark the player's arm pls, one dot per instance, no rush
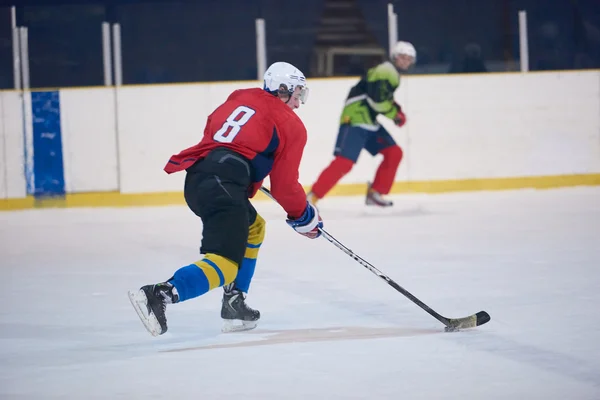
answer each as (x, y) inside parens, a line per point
(302, 216)
(285, 187)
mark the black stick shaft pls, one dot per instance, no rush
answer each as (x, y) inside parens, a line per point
(374, 270)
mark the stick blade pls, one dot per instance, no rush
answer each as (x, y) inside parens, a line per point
(482, 318)
(472, 321)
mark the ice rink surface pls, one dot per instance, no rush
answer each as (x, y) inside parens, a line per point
(330, 329)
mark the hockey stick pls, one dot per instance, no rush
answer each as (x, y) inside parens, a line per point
(452, 324)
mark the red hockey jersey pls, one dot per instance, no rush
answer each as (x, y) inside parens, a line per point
(262, 128)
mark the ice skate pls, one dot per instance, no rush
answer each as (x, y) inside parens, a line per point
(150, 303)
(374, 198)
(236, 314)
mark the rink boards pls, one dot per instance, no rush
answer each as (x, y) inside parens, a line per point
(108, 146)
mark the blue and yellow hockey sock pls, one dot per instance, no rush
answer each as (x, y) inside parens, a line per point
(256, 234)
(204, 275)
(245, 274)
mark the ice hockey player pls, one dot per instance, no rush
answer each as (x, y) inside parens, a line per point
(359, 129)
(255, 133)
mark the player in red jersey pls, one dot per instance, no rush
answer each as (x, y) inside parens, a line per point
(254, 134)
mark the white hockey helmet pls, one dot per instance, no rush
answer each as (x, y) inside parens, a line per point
(405, 48)
(282, 77)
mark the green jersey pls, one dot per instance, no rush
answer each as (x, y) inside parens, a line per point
(372, 95)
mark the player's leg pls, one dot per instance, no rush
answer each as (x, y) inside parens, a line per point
(222, 206)
(256, 235)
(383, 143)
(350, 141)
(236, 314)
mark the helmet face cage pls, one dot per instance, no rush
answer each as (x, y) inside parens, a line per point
(303, 95)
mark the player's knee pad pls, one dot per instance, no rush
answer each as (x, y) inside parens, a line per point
(256, 235)
(342, 164)
(392, 154)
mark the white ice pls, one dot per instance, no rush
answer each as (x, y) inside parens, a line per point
(330, 329)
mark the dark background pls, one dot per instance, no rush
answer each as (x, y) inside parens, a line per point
(214, 40)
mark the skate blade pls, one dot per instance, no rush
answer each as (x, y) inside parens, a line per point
(375, 205)
(236, 325)
(138, 301)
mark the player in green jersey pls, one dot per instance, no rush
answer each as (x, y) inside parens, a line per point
(359, 129)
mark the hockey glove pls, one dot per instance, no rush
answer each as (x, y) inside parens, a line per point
(309, 222)
(399, 118)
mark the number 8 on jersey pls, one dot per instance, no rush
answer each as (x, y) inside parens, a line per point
(225, 135)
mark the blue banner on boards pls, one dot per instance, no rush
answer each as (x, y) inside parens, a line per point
(48, 168)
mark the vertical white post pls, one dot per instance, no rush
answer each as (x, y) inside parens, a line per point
(26, 107)
(24, 56)
(320, 63)
(330, 53)
(395, 28)
(118, 71)
(392, 27)
(16, 48)
(261, 48)
(106, 56)
(523, 43)
(117, 54)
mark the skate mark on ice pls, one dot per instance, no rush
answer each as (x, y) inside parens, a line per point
(285, 336)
